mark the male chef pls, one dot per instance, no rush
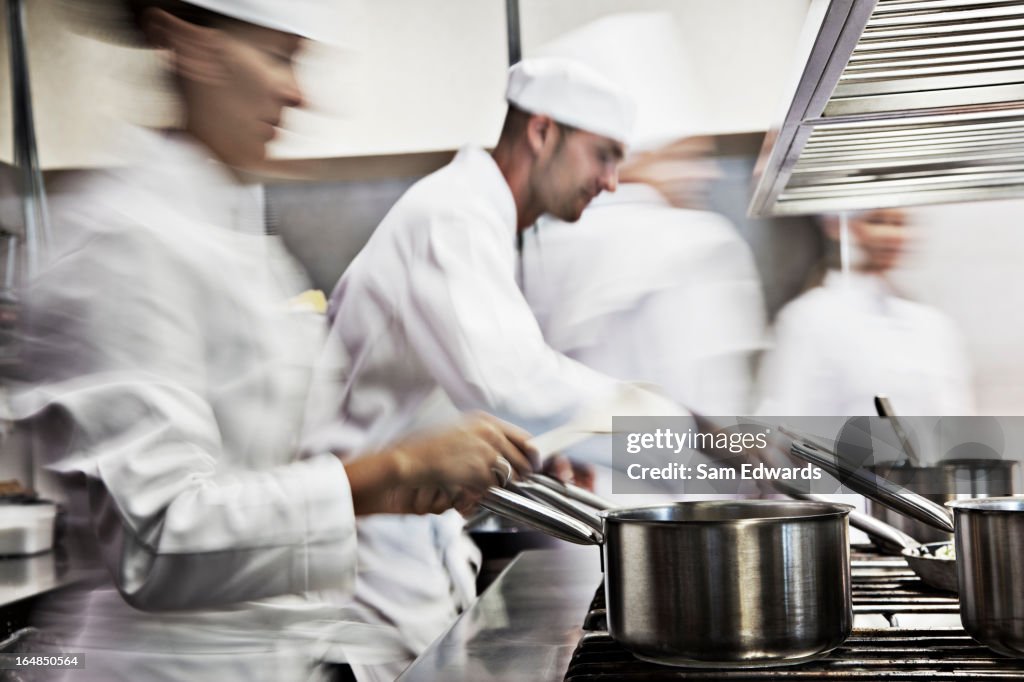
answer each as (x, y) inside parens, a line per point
(430, 314)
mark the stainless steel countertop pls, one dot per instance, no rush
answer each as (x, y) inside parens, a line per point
(525, 626)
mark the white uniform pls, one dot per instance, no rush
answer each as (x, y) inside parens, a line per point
(644, 291)
(169, 381)
(430, 311)
(840, 344)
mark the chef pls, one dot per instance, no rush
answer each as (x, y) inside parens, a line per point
(855, 335)
(430, 314)
(649, 284)
(165, 379)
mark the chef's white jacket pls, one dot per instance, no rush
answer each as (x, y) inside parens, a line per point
(428, 315)
(168, 380)
(642, 290)
(840, 344)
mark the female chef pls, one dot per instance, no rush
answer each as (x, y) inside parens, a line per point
(165, 379)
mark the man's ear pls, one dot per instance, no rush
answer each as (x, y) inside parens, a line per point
(540, 132)
(197, 50)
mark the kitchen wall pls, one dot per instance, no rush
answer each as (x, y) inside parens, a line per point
(404, 76)
(967, 262)
(326, 223)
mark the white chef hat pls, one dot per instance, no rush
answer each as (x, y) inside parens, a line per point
(314, 19)
(573, 94)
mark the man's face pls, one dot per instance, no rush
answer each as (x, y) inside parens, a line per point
(580, 166)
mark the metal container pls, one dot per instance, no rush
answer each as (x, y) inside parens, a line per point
(941, 483)
(26, 528)
(989, 536)
(990, 571)
(730, 584)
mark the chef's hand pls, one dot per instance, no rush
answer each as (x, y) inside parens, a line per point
(570, 471)
(431, 473)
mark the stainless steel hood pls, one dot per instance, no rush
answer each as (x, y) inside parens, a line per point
(901, 102)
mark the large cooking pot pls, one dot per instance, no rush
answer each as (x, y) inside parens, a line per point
(989, 537)
(722, 584)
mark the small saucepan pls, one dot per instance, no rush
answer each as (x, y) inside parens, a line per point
(721, 584)
(989, 539)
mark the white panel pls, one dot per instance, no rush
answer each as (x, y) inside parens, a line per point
(741, 51)
(420, 75)
(430, 75)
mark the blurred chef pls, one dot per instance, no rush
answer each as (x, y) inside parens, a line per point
(649, 284)
(166, 380)
(430, 311)
(855, 336)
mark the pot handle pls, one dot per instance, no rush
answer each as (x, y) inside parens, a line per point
(573, 492)
(881, 532)
(554, 499)
(539, 517)
(878, 530)
(884, 409)
(881, 490)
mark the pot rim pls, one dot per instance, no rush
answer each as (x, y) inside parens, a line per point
(946, 464)
(992, 505)
(647, 514)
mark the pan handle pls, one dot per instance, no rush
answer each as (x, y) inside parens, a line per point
(573, 492)
(554, 499)
(879, 531)
(879, 489)
(538, 516)
(884, 409)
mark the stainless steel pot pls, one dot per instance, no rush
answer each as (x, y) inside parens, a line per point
(941, 483)
(730, 584)
(990, 571)
(989, 536)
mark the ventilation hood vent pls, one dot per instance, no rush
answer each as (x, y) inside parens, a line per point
(901, 102)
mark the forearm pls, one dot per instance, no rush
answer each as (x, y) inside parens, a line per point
(374, 478)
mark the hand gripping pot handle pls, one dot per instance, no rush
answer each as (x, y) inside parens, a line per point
(539, 517)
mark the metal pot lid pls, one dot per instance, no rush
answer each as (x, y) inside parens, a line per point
(872, 486)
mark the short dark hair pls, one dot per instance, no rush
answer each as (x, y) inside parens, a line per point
(516, 120)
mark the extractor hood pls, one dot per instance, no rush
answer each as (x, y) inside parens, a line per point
(900, 102)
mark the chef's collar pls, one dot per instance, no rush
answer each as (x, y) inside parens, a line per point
(199, 186)
(487, 170)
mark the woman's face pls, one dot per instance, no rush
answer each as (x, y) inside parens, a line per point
(235, 101)
(882, 235)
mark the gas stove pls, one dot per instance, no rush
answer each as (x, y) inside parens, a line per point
(533, 625)
(902, 629)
